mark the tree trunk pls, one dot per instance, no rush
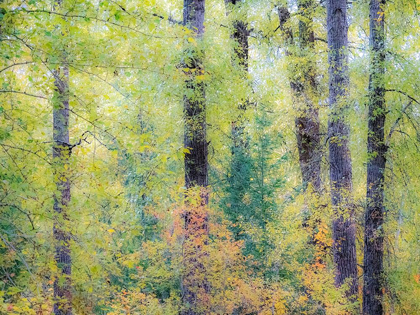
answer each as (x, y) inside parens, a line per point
(344, 230)
(195, 140)
(307, 125)
(374, 215)
(303, 85)
(240, 163)
(61, 155)
(195, 284)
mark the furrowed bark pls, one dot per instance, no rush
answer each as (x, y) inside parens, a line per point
(195, 287)
(62, 196)
(377, 149)
(344, 230)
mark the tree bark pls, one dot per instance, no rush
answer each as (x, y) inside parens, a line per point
(374, 215)
(195, 286)
(61, 155)
(240, 168)
(240, 35)
(344, 230)
(195, 140)
(303, 85)
(62, 196)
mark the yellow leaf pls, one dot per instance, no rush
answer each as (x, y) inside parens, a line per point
(111, 231)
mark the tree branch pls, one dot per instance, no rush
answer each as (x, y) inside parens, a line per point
(24, 93)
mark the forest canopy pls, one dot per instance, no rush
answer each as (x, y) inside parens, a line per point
(209, 157)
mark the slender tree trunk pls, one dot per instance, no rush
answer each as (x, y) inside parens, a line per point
(240, 163)
(344, 230)
(374, 215)
(240, 35)
(195, 139)
(304, 86)
(195, 283)
(61, 155)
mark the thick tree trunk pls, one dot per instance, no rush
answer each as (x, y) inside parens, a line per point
(344, 230)
(195, 284)
(374, 215)
(61, 155)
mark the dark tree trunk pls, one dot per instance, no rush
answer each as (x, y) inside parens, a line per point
(240, 162)
(344, 230)
(240, 35)
(61, 155)
(195, 140)
(195, 286)
(374, 215)
(303, 85)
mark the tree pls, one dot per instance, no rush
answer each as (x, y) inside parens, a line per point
(61, 155)
(195, 284)
(304, 87)
(377, 150)
(239, 174)
(344, 230)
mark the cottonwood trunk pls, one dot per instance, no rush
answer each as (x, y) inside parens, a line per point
(195, 285)
(344, 230)
(374, 215)
(61, 155)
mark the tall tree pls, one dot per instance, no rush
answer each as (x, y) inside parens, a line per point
(377, 149)
(239, 174)
(240, 34)
(344, 230)
(61, 156)
(303, 85)
(300, 53)
(195, 284)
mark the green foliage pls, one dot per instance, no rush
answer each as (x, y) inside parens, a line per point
(127, 80)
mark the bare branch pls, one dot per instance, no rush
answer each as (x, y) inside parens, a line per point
(23, 93)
